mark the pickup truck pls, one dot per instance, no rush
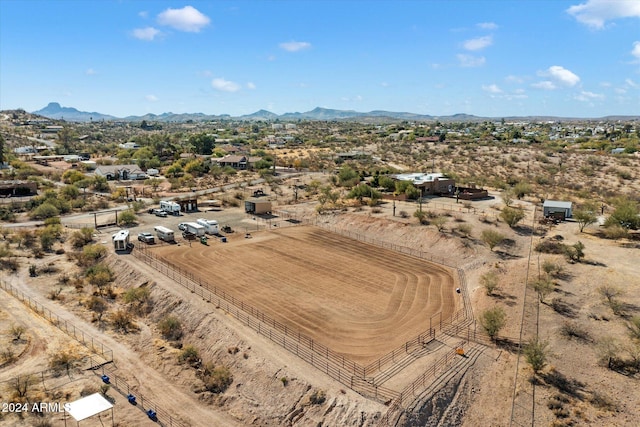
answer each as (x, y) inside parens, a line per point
(146, 237)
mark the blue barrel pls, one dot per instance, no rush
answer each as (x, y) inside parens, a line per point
(105, 379)
(152, 415)
(131, 398)
(223, 239)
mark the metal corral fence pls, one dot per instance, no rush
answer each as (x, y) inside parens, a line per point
(70, 329)
(162, 417)
(334, 364)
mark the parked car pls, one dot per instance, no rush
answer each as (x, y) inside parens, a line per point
(182, 226)
(160, 212)
(189, 235)
(146, 237)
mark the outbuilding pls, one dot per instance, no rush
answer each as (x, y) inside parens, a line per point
(257, 206)
(557, 209)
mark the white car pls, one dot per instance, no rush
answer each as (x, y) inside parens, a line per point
(182, 226)
(146, 237)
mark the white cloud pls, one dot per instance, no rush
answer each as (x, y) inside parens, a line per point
(384, 84)
(631, 83)
(588, 96)
(143, 14)
(294, 46)
(493, 88)
(187, 19)
(595, 13)
(470, 60)
(148, 33)
(544, 85)
(514, 79)
(251, 85)
(225, 85)
(91, 72)
(151, 98)
(487, 25)
(561, 75)
(478, 43)
(636, 50)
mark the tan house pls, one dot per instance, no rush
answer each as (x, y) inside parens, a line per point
(237, 161)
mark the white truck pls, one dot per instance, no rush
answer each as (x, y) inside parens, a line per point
(194, 228)
(210, 225)
(165, 234)
(172, 208)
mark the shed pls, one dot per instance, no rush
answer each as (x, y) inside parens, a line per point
(257, 206)
(557, 208)
(121, 240)
(189, 204)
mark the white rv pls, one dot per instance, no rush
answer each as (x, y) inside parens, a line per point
(210, 225)
(165, 234)
(121, 240)
(172, 208)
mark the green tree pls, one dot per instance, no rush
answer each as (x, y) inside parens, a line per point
(543, 287)
(626, 214)
(363, 190)
(493, 320)
(585, 215)
(512, 216)
(347, 177)
(535, 352)
(492, 238)
(127, 217)
(45, 210)
(387, 183)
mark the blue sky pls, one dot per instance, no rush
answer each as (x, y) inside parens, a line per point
(578, 58)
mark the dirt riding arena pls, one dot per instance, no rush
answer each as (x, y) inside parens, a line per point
(359, 300)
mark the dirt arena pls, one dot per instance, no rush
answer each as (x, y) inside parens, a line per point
(357, 299)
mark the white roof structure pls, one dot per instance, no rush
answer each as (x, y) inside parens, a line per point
(556, 204)
(419, 177)
(88, 406)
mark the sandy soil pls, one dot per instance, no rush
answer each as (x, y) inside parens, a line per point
(309, 280)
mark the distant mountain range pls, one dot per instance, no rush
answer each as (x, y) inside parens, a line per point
(55, 111)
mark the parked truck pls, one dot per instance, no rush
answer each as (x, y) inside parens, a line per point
(210, 225)
(172, 208)
(194, 228)
(165, 234)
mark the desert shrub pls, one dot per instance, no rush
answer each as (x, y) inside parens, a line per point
(218, 379)
(490, 282)
(493, 320)
(634, 327)
(62, 361)
(421, 216)
(575, 252)
(81, 237)
(122, 321)
(550, 246)
(190, 355)
(138, 299)
(535, 352)
(616, 232)
(170, 328)
(512, 216)
(492, 238)
(610, 294)
(17, 331)
(464, 229)
(551, 268)
(317, 397)
(403, 214)
(98, 305)
(543, 287)
(91, 254)
(561, 307)
(575, 330)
